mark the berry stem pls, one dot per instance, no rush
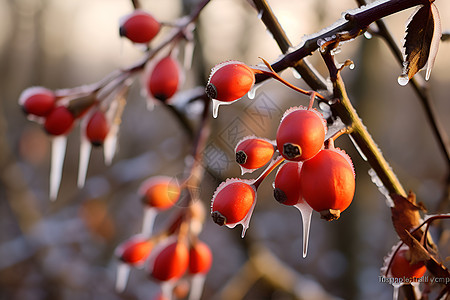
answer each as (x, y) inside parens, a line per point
(275, 163)
(274, 75)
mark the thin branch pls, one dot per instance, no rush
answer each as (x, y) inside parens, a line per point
(306, 71)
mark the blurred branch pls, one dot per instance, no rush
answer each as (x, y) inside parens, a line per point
(136, 4)
(263, 264)
(308, 73)
(421, 90)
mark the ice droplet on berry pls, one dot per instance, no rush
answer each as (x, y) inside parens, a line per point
(58, 153)
(306, 212)
(296, 74)
(217, 103)
(368, 35)
(198, 281)
(403, 79)
(110, 144)
(123, 272)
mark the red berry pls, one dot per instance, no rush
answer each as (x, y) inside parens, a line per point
(287, 184)
(232, 201)
(301, 134)
(139, 27)
(200, 258)
(37, 100)
(253, 153)
(171, 262)
(401, 266)
(327, 182)
(230, 81)
(97, 128)
(164, 79)
(134, 251)
(59, 121)
(160, 192)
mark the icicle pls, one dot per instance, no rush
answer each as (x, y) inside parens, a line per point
(245, 222)
(260, 14)
(148, 221)
(110, 144)
(85, 153)
(377, 181)
(363, 156)
(198, 281)
(396, 290)
(403, 79)
(167, 289)
(123, 272)
(368, 35)
(59, 144)
(296, 74)
(188, 54)
(306, 212)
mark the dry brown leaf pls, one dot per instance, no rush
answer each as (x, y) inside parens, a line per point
(423, 33)
(405, 214)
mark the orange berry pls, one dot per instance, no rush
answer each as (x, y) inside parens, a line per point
(97, 128)
(253, 153)
(171, 262)
(59, 121)
(160, 192)
(134, 251)
(327, 182)
(164, 79)
(402, 267)
(232, 201)
(301, 134)
(287, 184)
(139, 27)
(37, 100)
(200, 258)
(230, 81)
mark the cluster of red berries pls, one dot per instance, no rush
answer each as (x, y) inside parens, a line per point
(58, 114)
(313, 175)
(176, 250)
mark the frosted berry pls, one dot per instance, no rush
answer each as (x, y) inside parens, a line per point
(327, 182)
(230, 81)
(232, 201)
(161, 192)
(171, 262)
(59, 121)
(97, 128)
(287, 184)
(401, 266)
(301, 134)
(164, 79)
(134, 251)
(37, 100)
(200, 258)
(139, 27)
(253, 153)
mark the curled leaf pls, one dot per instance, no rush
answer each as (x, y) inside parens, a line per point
(423, 33)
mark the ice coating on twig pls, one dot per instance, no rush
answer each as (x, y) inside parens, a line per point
(59, 144)
(377, 181)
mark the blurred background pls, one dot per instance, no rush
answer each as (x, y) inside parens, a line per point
(64, 249)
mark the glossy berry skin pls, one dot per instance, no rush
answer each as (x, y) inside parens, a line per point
(200, 258)
(401, 266)
(171, 263)
(301, 134)
(160, 192)
(327, 182)
(231, 202)
(287, 184)
(165, 78)
(253, 153)
(139, 27)
(134, 251)
(97, 128)
(59, 121)
(37, 100)
(230, 81)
